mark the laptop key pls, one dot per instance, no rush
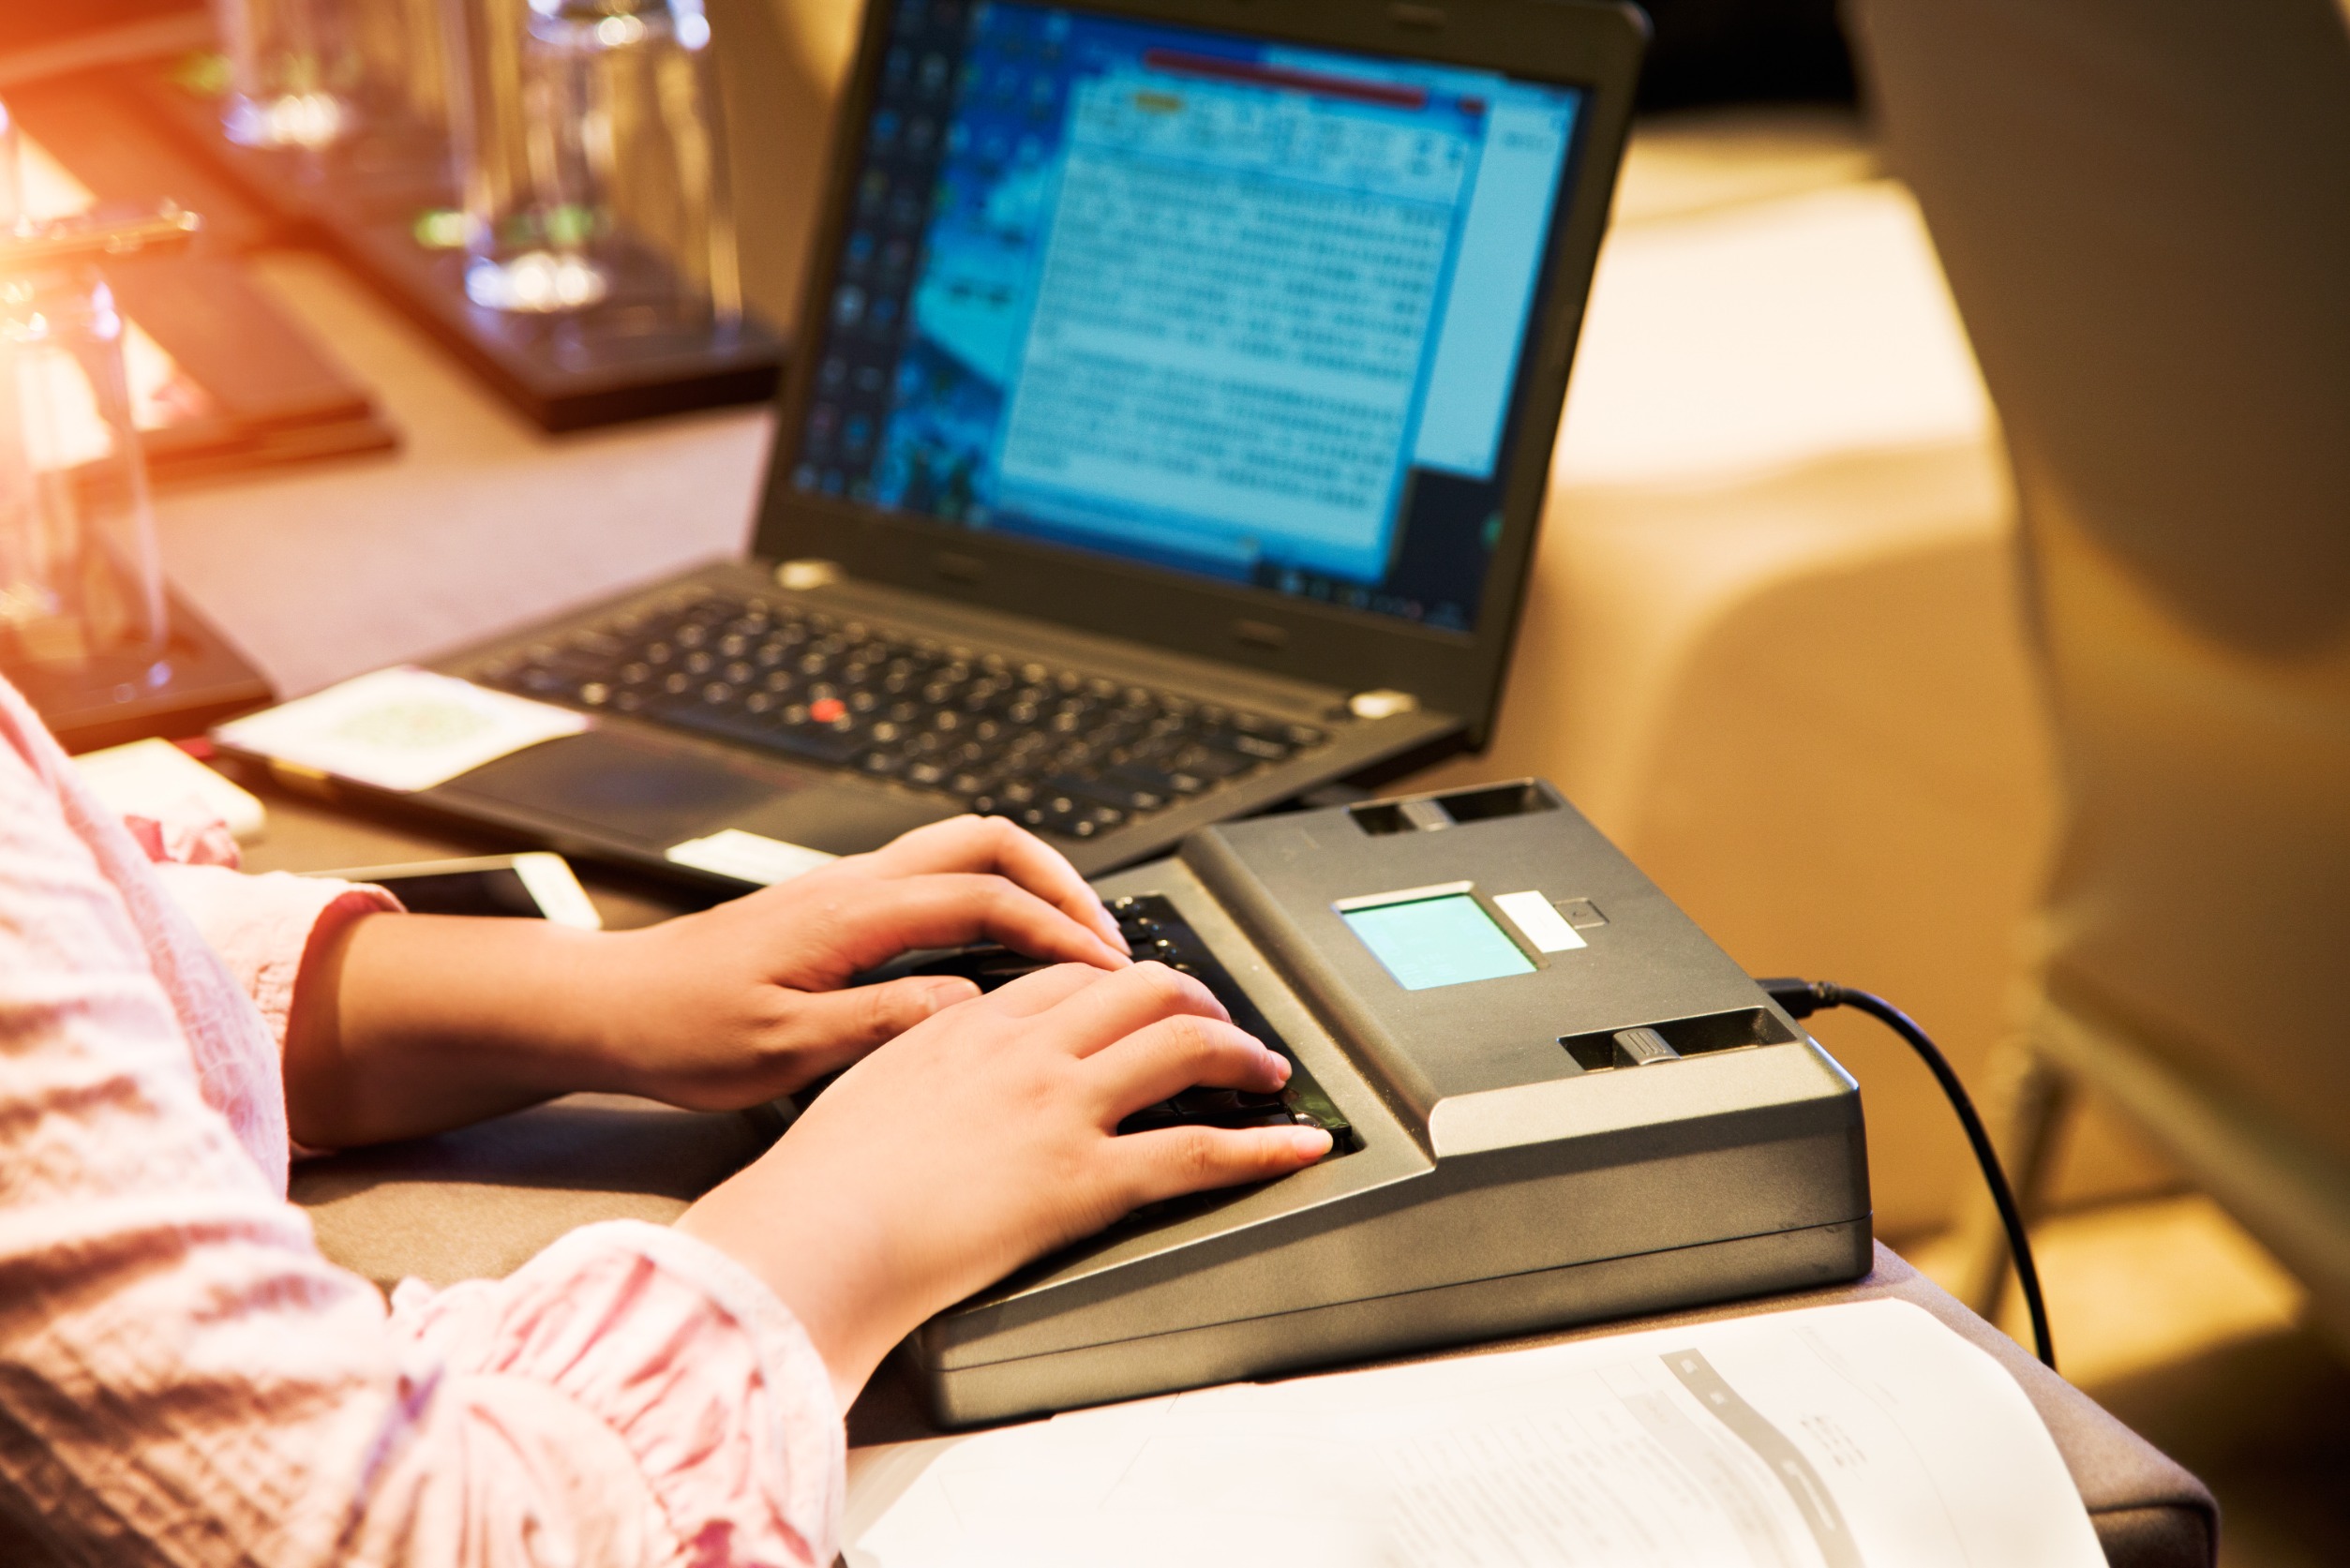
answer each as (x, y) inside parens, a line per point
(691, 712)
(1107, 792)
(816, 743)
(1079, 818)
(1241, 743)
(1158, 780)
(1211, 763)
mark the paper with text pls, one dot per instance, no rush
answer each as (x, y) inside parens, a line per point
(1835, 1437)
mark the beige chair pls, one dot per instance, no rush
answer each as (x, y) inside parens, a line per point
(2143, 207)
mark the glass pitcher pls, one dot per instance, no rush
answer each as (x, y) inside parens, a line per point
(81, 583)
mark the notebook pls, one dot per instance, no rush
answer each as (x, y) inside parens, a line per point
(1164, 440)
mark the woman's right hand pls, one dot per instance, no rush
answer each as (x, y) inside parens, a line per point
(983, 1137)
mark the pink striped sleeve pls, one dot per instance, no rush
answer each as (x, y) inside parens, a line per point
(184, 1380)
(723, 1406)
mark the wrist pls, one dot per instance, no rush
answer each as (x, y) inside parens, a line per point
(422, 1022)
(621, 1011)
(829, 1266)
(590, 1002)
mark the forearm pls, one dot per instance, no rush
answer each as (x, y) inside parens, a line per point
(405, 1025)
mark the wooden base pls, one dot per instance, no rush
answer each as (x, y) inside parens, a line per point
(364, 205)
(200, 680)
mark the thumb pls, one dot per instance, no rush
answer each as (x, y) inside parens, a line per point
(851, 1021)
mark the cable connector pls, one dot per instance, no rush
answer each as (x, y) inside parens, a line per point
(1800, 998)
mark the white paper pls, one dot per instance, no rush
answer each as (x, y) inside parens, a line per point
(1866, 1433)
(156, 779)
(402, 728)
(748, 857)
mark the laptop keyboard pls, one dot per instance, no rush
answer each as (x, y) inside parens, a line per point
(1056, 749)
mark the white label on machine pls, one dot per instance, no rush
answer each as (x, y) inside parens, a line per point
(1539, 919)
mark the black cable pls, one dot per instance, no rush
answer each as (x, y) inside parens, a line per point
(1800, 998)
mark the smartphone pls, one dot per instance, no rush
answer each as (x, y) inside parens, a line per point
(534, 886)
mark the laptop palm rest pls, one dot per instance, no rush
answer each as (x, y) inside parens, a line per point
(654, 793)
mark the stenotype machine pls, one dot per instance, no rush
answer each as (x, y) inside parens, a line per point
(1553, 1100)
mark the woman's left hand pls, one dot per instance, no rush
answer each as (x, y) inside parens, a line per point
(743, 1001)
(404, 1024)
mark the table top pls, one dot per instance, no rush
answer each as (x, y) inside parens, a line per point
(479, 1201)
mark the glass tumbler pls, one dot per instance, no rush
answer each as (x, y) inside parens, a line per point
(589, 138)
(294, 66)
(401, 71)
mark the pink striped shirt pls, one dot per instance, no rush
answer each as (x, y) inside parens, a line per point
(184, 1380)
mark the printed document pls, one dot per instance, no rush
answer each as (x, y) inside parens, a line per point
(1861, 1434)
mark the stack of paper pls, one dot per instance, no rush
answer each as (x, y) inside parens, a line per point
(1828, 1438)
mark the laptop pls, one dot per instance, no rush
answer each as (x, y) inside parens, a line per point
(1164, 443)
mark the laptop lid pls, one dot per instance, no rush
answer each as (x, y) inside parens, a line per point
(1237, 328)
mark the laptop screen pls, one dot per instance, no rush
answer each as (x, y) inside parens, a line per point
(1189, 299)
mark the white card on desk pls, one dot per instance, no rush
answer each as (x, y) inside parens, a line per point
(748, 857)
(1833, 1437)
(402, 728)
(156, 779)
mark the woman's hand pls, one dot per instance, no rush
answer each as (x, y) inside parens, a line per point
(404, 1024)
(742, 1001)
(983, 1137)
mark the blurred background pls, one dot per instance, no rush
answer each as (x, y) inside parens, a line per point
(1780, 642)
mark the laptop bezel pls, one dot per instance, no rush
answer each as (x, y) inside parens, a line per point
(1590, 44)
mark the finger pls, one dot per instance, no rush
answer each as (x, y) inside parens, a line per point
(1179, 1159)
(831, 1029)
(998, 844)
(1091, 1019)
(951, 909)
(1176, 1053)
(1031, 995)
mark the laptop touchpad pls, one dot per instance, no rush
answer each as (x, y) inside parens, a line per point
(841, 819)
(657, 794)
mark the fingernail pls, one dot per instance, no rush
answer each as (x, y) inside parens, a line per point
(1282, 1063)
(1311, 1141)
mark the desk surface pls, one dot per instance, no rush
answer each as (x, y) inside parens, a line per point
(479, 1201)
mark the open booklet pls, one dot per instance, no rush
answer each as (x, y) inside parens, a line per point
(1831, 1437)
